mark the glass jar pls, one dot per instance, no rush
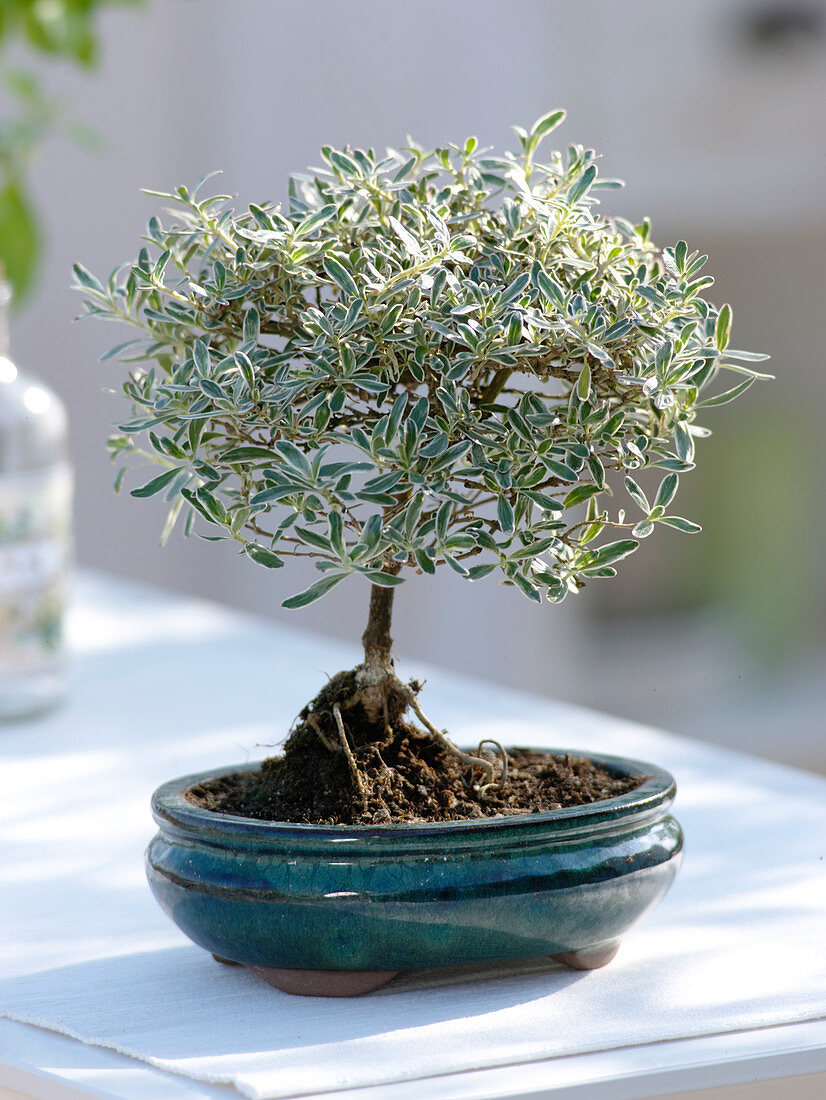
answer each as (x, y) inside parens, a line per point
(35, 537)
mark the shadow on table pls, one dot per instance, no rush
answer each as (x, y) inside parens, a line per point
(174, 1003)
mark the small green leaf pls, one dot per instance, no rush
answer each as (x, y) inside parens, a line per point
(722, 331)
(160, 265)
(560, 469)
(665, 353)
(683, 442)
(748, 356)
(382, 580)
(542, 500)
(275, 493)
(435, 447)
(337, 533)
(370, 535)
(314, 538)
(613, 551)
(665, 493)
(675, 464)
(418, 414)
(582, 186)
(315, 220)
(439, 281)
(527, 588)
(546, 285)
(533, 550)
(248, 454)
(314, 592)
(583, 384)
(200, 356)
(214, 508)
(443, 520)
(504, 513)
(117, 349)
(203, 503)
(405, 169)
(262, 556)
(341, 277)
(455, 565)
(685, 525)
(395, 418)
(411, 245)
(477, 572)
(252, 326)
(424, 561)
(84, 277)
(547, 123)
(579, 495)
(157, 484)
(597, 471)
(296, 458)
(212, 389)
(729, 395)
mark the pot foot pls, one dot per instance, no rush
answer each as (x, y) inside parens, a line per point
(324, 983)
(591, 960)
(225, 962)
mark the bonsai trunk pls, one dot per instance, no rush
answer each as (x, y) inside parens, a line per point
(355, 756)
(376, 638)
(383, 693)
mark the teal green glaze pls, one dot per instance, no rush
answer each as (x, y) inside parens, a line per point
(398, 897)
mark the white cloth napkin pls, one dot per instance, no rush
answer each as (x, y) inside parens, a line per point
(162, 689)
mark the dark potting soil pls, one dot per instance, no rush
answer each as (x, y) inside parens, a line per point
(398, 773)
(430, 786)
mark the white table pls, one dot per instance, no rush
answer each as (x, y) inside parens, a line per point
(118, 631)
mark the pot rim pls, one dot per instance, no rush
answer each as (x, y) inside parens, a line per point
(647, 802)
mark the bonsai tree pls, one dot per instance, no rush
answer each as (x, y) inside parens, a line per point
(422, 359)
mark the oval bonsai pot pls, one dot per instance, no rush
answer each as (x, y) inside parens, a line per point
(340, 909)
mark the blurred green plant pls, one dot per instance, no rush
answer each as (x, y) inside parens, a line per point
(65, 30)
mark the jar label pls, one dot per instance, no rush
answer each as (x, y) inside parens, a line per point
(35, 546)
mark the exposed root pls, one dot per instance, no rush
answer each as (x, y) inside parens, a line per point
(383, 698)
(444, 740)
(483, 790)
(348, 752)
(312, 721)
(386, 772)
(382, 784)
(354, 756)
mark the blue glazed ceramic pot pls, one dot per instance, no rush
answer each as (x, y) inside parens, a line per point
(385, 898)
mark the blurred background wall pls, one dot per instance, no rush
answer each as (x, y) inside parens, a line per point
(714, 113)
